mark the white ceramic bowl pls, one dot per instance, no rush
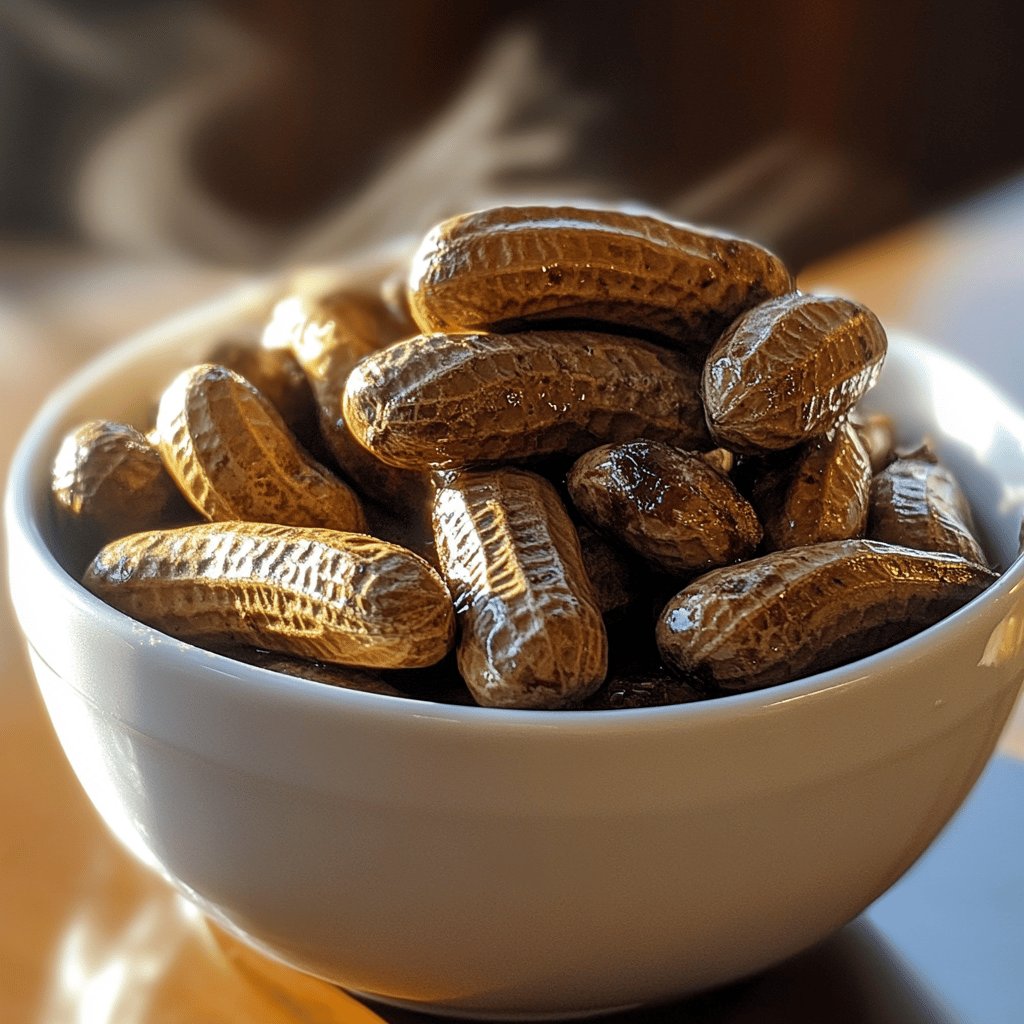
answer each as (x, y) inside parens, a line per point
(523, 864)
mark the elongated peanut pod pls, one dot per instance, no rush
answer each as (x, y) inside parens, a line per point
(531, 632)
(819, 494)
(669, 506)
(464, 399)
(919, 504)
(233, 457)
(509, 266)
(789, 370)
(337, 597)
(796, 612)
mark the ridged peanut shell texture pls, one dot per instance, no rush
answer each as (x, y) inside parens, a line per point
(234, 458)
(343, 598)
(789, 370)
(669, 506)
(792, 613)
(503, 268)
(919, 504)
(531, 633)
(466, 399)
(819, 494)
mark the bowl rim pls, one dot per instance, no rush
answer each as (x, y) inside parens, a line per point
(255, 682)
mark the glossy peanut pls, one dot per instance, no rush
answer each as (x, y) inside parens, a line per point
(818, 494)
(509, 267)
(918, 503)
(669, 506)
(789, 370)
(342, 598)
(531, 633)
(792, 613)
(466, 399)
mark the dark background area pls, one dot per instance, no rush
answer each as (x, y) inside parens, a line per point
(725, 111)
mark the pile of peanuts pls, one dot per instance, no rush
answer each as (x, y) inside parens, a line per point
(568, 459)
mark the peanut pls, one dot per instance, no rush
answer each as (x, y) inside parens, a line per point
(792, 613)
(789, 370)
(531, 632)
(233, 457)
(820, 493)
(669, 506)
(342, 598)
(465, 399)
(508, 267)
(919, 504)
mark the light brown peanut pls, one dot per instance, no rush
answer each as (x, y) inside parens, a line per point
(919, 504)
(465, 399)
(789, 370)
(819, 493)
(343, 598)
(109, 480)
(508, 267)
(233, 457)
(669, 506)
(792, 613)
(531, 632)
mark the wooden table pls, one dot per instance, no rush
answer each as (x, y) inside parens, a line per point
(87, 935)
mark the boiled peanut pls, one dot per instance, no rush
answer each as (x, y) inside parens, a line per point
(328, 333)
(919, 504)
(878, 435)
(233, 457)
(820, 493)
(343, 598)
(508, 267)
(792, 613)
(789, 370)
(616, 575)
(669, 506)
(531, 632)
(464, 399)
(107, 481)
(642, 689)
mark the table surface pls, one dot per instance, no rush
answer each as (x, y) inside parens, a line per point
(88, 935)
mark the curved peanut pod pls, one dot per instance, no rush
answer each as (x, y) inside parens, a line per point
(792, 613)
(234, 458)
(532, 635)
(669, 506)
(343, 598)
(789, 370)
(820, 494)
(463, 399)
(506, 267)
(919, 504)
(328, 334)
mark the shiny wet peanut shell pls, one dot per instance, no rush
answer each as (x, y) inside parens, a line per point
(788, 370)
(508, 267)
(793, 613)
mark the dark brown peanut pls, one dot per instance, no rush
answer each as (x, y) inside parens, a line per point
(789, 370)
(919, 504)
(233, 457)
(531, 632)
(669, 506)
(507, 267)
(796, 612)
(108, 481)
(878, 435)
(343, 598)
(642, 689)
(818, 494)
(616, 575)
(464, 399)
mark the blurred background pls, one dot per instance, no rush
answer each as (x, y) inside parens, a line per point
(248, 132)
